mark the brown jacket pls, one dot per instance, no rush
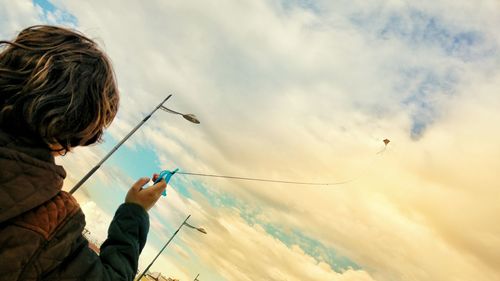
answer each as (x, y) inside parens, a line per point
(41, 226)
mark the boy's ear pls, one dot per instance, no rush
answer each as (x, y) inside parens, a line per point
(57, 149)
(55, 146)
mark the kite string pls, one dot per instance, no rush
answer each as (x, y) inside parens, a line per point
(258, 179)
(381, 152)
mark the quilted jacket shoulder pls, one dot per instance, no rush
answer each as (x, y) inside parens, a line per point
(51, 215)
(41, 226)
(26, 241)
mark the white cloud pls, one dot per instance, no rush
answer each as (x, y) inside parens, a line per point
(97, 220)
(294, 94)
(14, 16)
(243, 252)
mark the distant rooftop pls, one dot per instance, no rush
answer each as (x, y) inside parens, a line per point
(156, 276)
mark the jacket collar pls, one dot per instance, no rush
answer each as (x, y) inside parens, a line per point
(28, 176)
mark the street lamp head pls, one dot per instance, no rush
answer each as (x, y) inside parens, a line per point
(191, 118)
(202, 230)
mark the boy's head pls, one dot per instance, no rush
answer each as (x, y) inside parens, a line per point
(56, 87)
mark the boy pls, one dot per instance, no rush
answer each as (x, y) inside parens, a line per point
(58, 91)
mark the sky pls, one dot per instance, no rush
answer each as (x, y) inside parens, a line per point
(300, 90)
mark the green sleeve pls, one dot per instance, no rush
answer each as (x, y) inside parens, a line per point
(119, 254)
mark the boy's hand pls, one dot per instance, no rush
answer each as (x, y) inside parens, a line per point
(145, 197)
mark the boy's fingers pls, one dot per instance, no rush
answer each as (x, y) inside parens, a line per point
(159, 187)
(140, 183)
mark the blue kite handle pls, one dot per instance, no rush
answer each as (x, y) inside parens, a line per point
(167, 175)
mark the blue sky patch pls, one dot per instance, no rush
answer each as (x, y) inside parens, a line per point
(312, 247)
(45, 5)
(61, 16)
(419, 29)
(421, 91)
(309, 5)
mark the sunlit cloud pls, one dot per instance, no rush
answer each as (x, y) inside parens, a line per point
(305, 91)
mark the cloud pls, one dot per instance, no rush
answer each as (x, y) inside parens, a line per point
(97, 220)
(237, 250)
(17, 16)
(168, 267)
(290, 90)
(246, 252)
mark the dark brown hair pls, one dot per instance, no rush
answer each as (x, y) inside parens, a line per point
(56, 86)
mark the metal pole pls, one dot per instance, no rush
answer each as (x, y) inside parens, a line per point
(166, 244)
(91, 172)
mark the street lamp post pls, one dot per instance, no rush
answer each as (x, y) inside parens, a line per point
(184, 223)
(189, 117)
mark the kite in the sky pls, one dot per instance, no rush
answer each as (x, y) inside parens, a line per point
(386, 142)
